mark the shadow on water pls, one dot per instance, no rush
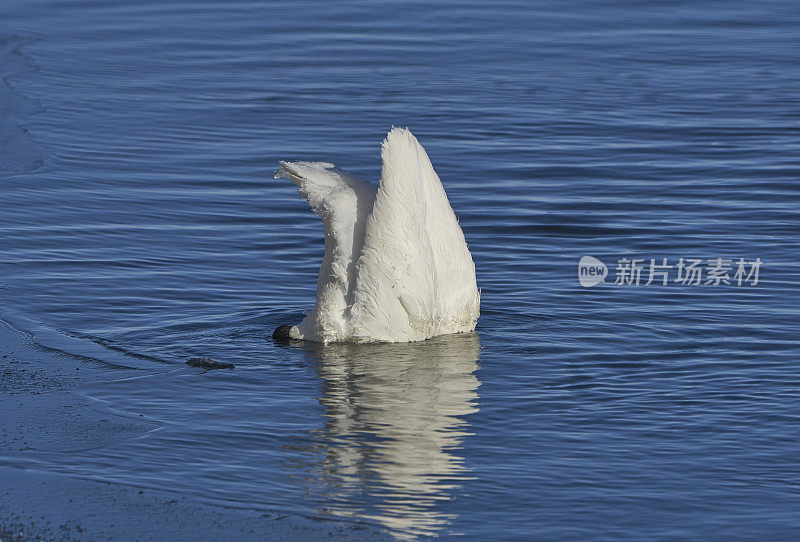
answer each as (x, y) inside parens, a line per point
(391, 447)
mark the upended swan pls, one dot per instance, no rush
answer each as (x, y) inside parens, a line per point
(396, 265)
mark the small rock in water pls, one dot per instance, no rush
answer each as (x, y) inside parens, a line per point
(208, 363)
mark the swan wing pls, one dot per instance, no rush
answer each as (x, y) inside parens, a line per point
(342, 201)
(415, 277)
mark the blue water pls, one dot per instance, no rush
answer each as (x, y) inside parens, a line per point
(138, 212)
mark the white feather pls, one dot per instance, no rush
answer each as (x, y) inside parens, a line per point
(396, 265)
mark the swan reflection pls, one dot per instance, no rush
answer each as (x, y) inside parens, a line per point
(394, 427)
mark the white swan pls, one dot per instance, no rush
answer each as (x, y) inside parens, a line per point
(396, 265)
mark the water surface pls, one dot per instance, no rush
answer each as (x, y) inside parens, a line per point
(139, 213)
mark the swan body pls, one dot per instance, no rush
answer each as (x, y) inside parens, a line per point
(396, 265)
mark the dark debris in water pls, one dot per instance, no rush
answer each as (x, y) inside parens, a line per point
(208, 363)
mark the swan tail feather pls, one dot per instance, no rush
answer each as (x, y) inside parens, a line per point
(342, 201)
